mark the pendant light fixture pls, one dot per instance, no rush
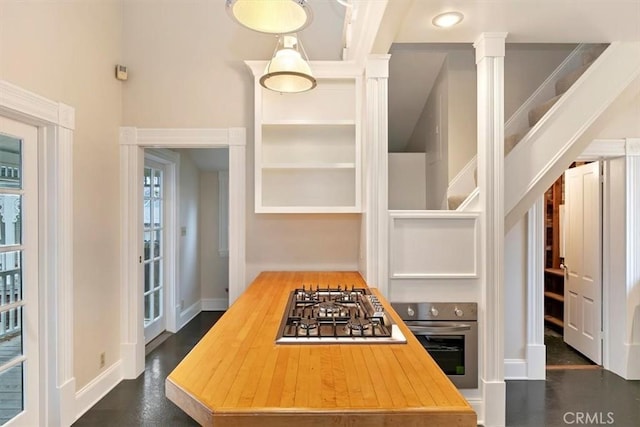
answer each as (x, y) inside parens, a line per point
(288, 71)
(271, 16)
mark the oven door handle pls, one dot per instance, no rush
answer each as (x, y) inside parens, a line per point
(439, 329)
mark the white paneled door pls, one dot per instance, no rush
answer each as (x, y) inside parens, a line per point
(154, 241)
(583, 261)
(19, 344)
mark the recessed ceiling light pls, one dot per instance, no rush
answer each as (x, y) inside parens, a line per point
(447, 19)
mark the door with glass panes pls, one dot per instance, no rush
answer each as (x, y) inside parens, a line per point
(19, 345)
(153, 260)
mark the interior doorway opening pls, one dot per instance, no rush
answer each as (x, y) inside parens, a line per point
(565, 230)
(180, 310)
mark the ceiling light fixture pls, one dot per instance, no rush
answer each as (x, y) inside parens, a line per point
(288, 71)
(447, 19)
(271, 16)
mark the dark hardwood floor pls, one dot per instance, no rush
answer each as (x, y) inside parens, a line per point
(568, 397)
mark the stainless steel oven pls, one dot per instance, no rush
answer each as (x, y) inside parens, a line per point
(449, 332)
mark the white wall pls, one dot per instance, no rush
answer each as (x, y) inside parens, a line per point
(430, 136)
(189, 232)
(66, 51)
(186, 71)
(407, 186)
(214, 268)
(462, 122)
(515, 292)
(624, 122)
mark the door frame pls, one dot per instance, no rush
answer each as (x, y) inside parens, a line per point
(171, 162)
(56, 123)
(133, 141)
(599, 149)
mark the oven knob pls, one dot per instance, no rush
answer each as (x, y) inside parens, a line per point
(458, 312)
(434, 312)
(410, 311)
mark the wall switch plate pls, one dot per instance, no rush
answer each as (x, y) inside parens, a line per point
(121, 72)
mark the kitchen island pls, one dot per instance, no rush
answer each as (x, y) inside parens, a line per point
(237, 376)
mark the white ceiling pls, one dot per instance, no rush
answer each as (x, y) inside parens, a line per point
(525, 21)
(209, 159)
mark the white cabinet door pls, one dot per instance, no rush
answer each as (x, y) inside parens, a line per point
(583, 261)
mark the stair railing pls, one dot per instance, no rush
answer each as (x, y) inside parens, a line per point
(464, 182)
(519, 120)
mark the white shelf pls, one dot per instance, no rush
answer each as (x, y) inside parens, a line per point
(308, 166)
(307, 147)
(307, 123)
(307, 209)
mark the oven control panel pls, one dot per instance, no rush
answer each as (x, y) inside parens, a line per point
(436, 310)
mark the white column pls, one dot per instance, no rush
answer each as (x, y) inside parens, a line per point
(131, 301)
(536, 355)
(375, 265)
(632, 252)
(490, 64)
(237, 204)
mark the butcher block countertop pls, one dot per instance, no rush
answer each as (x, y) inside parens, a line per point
(237, 376)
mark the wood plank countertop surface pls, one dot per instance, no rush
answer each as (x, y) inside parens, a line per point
(237, 376)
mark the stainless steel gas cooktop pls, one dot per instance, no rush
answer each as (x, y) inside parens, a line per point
(336, 315)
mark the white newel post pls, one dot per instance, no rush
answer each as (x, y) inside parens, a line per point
(490, 64)
(375, 160)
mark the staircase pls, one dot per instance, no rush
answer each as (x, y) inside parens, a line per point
(556, 124)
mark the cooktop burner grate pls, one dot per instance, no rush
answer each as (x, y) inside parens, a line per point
(324, 315)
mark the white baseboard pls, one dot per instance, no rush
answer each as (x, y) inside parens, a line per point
(515, 369)
(214, 304)
(633, 362)
(90, 394)
(67, 396)
(132, 360)
(536, 361)
(495, 403)
(188, 314)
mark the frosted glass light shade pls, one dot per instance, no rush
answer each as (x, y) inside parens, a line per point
(288, 71)
(271, 16)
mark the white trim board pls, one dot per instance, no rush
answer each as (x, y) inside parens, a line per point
(97, 388)
(132, 144)
(515, 369)
(458, 233)
(55, 122)
(187, 315)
